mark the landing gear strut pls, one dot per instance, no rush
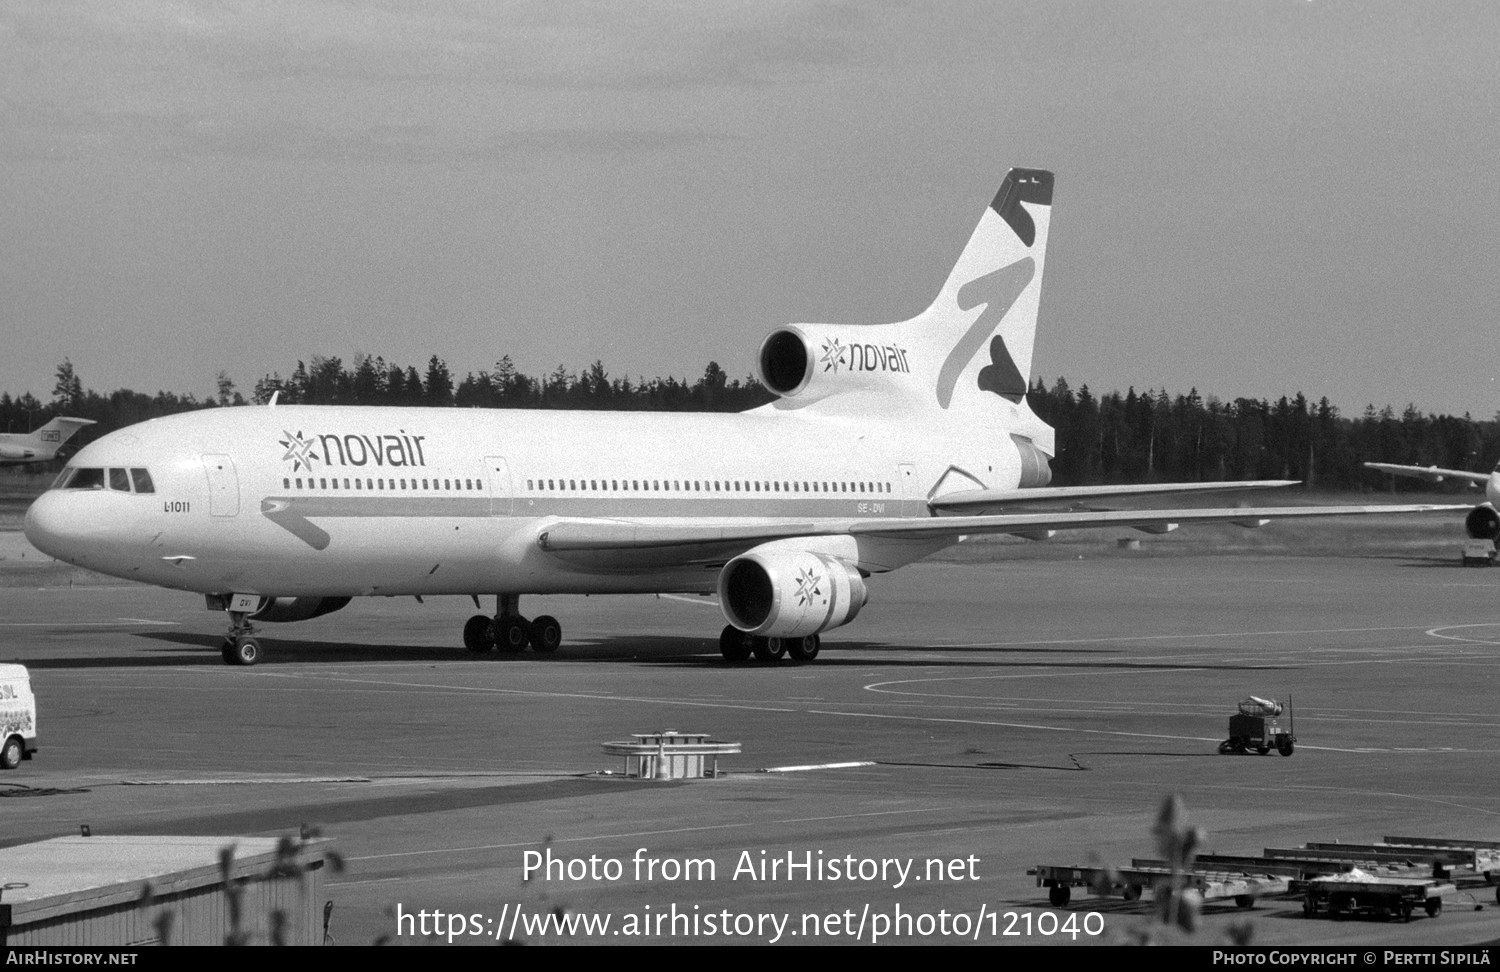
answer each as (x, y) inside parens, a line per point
(803, 649)
(238, 647)
(479, 634)
(509, 631)
(734, 644)
(737, 646)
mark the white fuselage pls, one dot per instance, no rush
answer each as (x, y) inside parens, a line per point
(347, 501)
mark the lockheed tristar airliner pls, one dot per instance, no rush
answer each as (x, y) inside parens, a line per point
(886, 443)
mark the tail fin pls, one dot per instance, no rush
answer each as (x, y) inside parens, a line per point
(60, 430)
(995, 287)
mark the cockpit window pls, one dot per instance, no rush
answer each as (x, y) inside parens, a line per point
(86, 478)
(119, 480)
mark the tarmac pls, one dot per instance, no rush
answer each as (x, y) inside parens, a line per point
(1000, 714)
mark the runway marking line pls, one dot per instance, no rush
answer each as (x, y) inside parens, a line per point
(709, 601)
(1437, 633)
(1270, 659)
(528, 692)
(816, 766)
(248, 780)
(82, 624)
(1164, 637)
(1109, 732)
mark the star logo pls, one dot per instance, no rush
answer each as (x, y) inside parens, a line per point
(807, 587)
(299, 451)
(833, 355)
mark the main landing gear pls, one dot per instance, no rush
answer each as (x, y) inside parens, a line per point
(239, 647)
(736, 646)
(510, 632)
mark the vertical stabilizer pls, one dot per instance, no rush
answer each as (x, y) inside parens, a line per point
(983, 321)
(60, 430)
(41, 445)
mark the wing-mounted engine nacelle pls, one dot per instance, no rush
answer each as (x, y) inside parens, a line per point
(789, 594)
(1483, 522)
(812, 361)
(298, 608)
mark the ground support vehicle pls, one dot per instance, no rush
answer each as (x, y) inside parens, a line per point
(17, 716)
(1256, 727)
(1060, 880)
(1374, 876)
(1478, 553)
(1357, 893)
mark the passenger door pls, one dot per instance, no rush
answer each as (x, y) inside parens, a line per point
(502, 497)
(223, 486)
(913, 503)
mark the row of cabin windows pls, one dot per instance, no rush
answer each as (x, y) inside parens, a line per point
(118, 480)
(363, 484)
(707, 486)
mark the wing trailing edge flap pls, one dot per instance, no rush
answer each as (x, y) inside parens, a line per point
(976, 500)
(592, 535)
(1023, 523)
(564, 535)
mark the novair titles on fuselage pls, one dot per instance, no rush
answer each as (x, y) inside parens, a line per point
(354, 449)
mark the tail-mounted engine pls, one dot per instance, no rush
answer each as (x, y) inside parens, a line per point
(1483, 522)
(811, 361)
(789, 594)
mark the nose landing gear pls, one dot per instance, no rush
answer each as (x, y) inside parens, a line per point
(509, 631)
(239, 647)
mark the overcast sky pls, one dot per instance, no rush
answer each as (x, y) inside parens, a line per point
(1253, 198)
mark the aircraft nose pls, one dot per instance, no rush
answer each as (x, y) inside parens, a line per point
(49, 528)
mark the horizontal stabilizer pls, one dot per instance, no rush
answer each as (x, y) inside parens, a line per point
(1432, 473)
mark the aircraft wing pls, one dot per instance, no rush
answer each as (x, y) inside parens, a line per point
(976, 500)
(914, 527)
(623, 534)
(1428, 472)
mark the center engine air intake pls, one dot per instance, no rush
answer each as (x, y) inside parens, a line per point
(811, 361)
(786, 362)
(789, 594)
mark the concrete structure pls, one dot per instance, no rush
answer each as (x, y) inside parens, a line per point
(92, 891)
(671, 755)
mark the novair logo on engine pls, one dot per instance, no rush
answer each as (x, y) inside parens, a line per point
(807, 587)
(863, 357)
(353, 450)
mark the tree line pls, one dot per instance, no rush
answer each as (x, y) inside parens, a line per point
(1156, 437)
(1110, 438)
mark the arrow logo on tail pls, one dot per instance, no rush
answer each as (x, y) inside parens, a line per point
(998, 291)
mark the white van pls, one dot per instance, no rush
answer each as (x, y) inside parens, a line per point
(17, 716)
